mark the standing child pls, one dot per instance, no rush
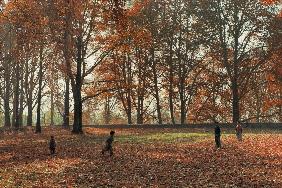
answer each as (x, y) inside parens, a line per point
(217, 134)
(239, 131)
(52, 145)
(108, 145)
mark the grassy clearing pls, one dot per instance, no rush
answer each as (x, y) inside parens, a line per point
(164, 137)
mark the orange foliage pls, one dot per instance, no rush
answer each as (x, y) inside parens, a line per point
(270, 2)
(26, 16)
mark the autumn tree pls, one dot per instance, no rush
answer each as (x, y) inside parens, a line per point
(240, 29)
(29, 48)
(7, 36)
(128, 78)
(164, 61)
(77, 23)
(274, 77)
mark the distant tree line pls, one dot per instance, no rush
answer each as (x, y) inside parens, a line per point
(145, 61)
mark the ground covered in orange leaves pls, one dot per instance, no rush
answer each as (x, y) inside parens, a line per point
(142, 158)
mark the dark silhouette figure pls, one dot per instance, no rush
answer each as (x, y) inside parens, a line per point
(52, 145)
(217, 134)
(108, 145)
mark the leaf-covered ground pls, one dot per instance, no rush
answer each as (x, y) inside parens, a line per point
(142, 158)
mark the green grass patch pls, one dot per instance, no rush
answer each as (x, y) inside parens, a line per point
(164, 137)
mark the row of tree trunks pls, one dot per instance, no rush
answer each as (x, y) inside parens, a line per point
(23, 84)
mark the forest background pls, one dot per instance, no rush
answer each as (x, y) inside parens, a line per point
(82, 62)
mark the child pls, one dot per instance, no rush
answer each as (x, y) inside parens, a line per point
(52, 145)
(108, 146)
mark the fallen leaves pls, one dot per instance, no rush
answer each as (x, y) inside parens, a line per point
(255, 162)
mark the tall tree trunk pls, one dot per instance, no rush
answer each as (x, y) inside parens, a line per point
(16, 97)
(156, 88)
(69, 78)
(52, 109)
(235, 102)
(107, 111)
(170, 90)
(14, 113)
(235, 88)
(28, 93)
(140, 112)
(21, 108)
(29, 113)
(77, 122)
(182, 107)
(7, 75)
(129, 104)
(7, 95)
(66, 123)
(140, 96)
(181, 87)
(141, 100)
(38, 117)
(171, 109)
(129, 109)
(76, 89)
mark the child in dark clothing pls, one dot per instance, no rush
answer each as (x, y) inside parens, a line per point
(108, 145)
(52, 145)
